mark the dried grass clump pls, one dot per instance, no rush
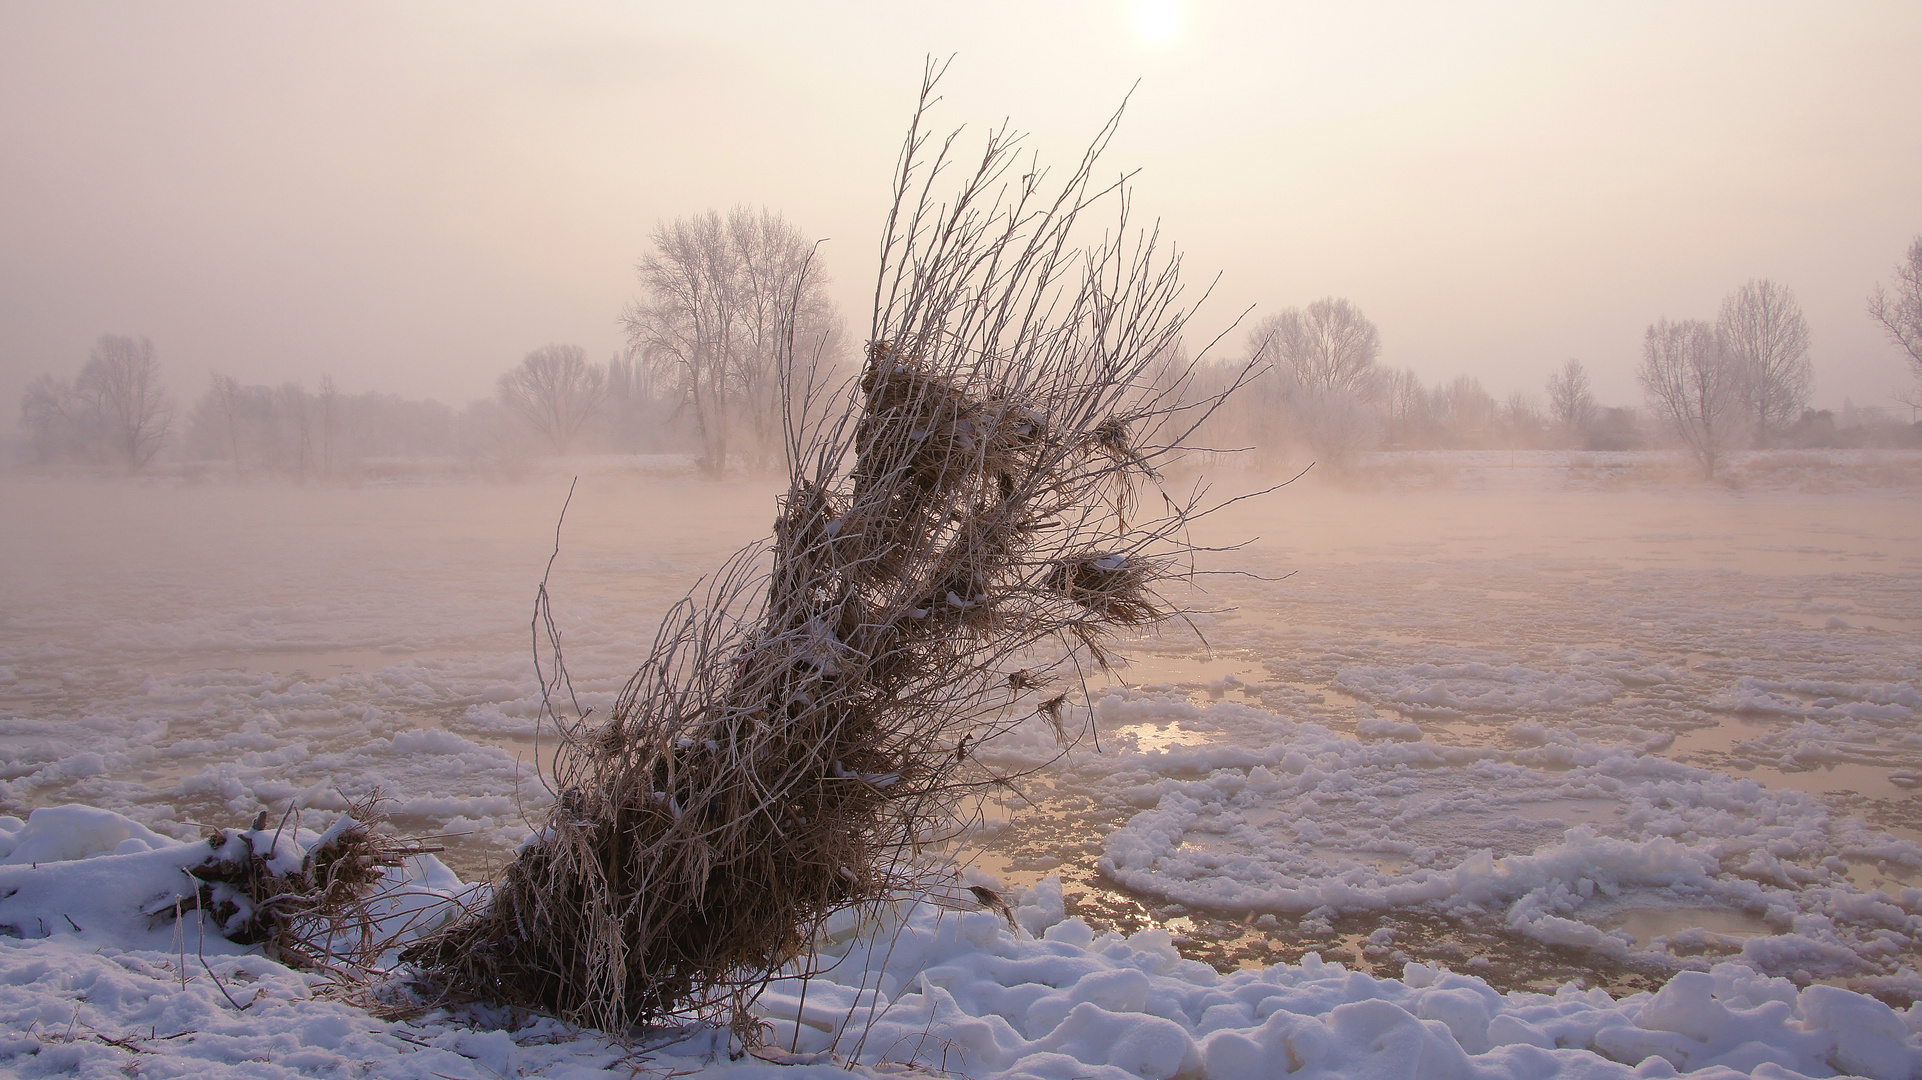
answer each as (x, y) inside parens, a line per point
(307, 905)
(802, 731)
(1111, 585)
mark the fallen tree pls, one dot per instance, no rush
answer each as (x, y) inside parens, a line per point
(964, 524)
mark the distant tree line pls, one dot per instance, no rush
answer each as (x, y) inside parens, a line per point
(291, 431)
(729, 308)
(117, 415)
(732, 305)
(1742, 381)
(1324, 393)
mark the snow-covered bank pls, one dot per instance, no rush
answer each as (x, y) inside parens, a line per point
(89, 986)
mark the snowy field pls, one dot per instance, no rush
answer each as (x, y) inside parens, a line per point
(1492, 764)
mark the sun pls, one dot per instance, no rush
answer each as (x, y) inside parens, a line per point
(1157, 21)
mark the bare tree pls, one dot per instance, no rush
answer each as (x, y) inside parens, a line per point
(1522, 422)
(329, 401)
(1570, 403)
(1693, 385)
(684, 327)
(294, 416)
(229, 402)
(1405, 406)
(1331, 346)
(1470, 416)
(722, 298)
(1767, 338)
(120, 387)
(555, 390)
(783, 293)
(1901, 314)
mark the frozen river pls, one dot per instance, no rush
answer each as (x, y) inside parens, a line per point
(1530, 719)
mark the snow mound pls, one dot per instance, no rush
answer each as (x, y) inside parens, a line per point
(964, 994)
(64, 833)
(93, 877)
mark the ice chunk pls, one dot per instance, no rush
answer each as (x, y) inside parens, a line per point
(1870, 1039)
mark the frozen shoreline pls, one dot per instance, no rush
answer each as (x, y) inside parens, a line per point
(1696, 704)
(918, 987)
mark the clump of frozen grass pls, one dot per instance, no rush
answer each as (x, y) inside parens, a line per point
(803, 730)
(318, 904)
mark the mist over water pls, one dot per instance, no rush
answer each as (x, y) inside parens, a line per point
(1424, 705)
(1550, 707)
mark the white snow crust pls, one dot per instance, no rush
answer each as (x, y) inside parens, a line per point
(90, 985)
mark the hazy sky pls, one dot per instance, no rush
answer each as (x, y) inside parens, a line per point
(412, 196)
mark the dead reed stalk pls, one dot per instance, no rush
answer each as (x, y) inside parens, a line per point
(801, 731)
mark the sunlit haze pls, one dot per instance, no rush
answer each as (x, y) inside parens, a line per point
(1462, 616)
(411, 197)
(1158, 20)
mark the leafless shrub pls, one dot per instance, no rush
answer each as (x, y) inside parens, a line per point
(959, 534)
